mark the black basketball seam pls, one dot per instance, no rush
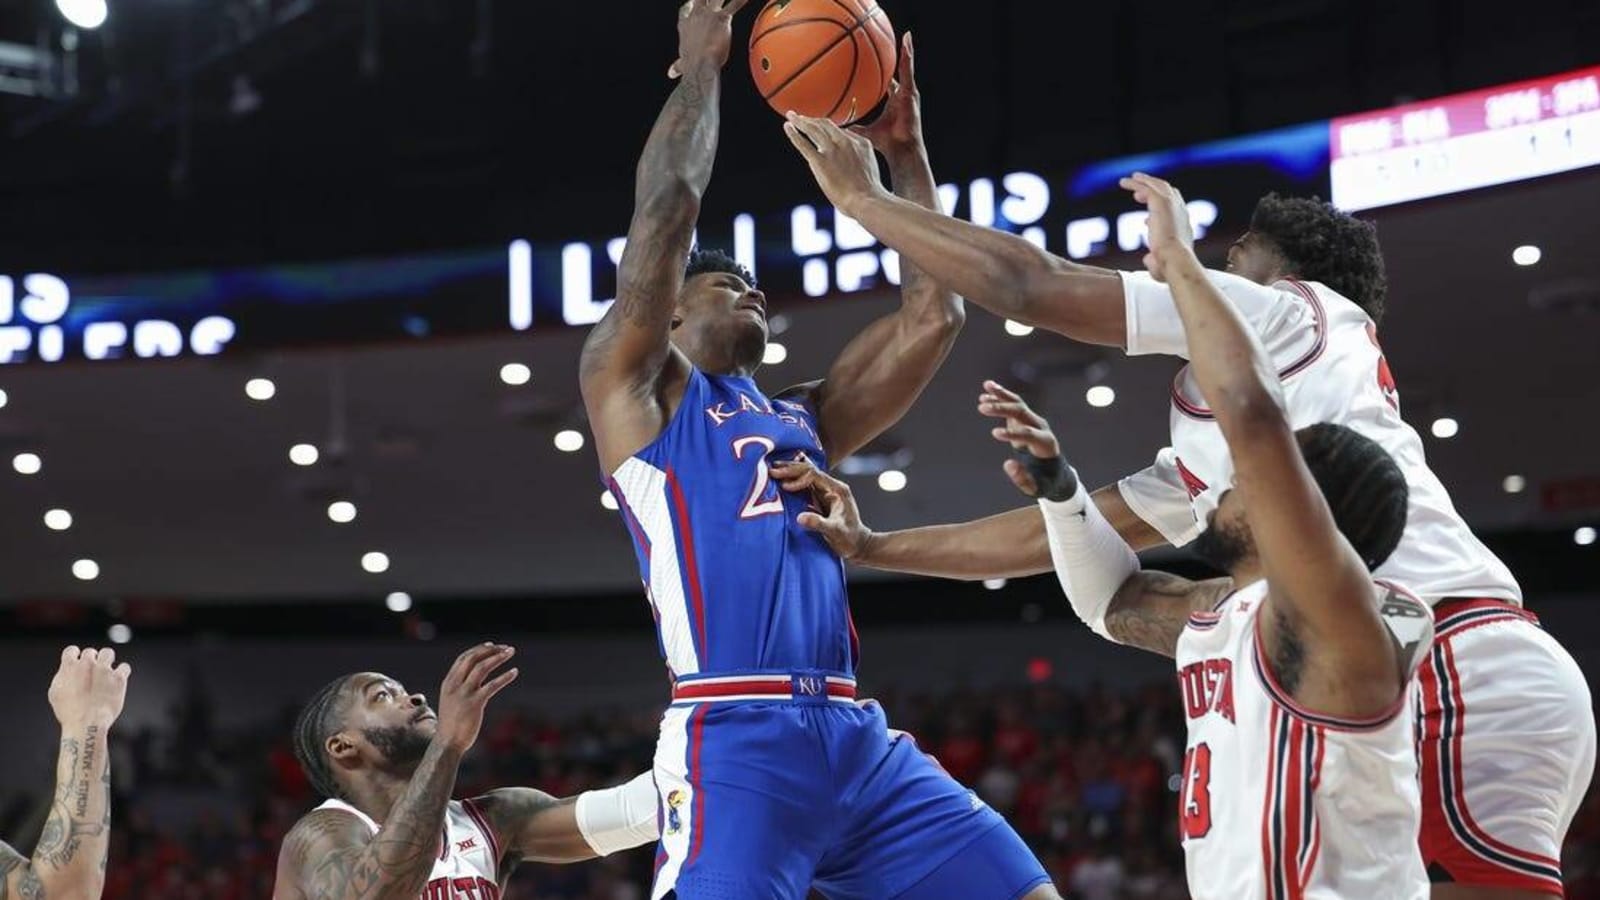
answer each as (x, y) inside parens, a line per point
(855, 60)
(859, 20)
(799, 70)
(877, 61)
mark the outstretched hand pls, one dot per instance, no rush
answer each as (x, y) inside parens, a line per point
(840, 522)
(467, 689)
(899, 127)
(841, 162)
(705, 34)
(1038, 469)
(1171, 234)
(89, 688)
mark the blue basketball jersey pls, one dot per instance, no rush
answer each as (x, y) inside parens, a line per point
(736, 585)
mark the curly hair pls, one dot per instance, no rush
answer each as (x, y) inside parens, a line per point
(312, 727)
(1323, 244)
(703, 261)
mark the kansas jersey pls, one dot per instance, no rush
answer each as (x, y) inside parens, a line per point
(1279, 802)
(1326, 351)
(736, 585)
(469, 854)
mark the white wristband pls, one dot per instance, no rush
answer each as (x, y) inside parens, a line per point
(619, 818)
(1092, 561)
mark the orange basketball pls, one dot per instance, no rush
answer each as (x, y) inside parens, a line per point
(831, 58)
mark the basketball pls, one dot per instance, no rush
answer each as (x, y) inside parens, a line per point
(823, 58)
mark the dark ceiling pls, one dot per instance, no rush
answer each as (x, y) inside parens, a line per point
(428, 123)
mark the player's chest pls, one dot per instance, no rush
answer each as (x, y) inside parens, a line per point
(739, 426)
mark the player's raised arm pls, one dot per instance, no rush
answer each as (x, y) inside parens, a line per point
(998, 271)
(628, 350)
(534, 826)
(331, 855)
(1321, 589)
(883, 370)
(86, 694)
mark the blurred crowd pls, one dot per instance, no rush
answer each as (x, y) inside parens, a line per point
(1088, 777)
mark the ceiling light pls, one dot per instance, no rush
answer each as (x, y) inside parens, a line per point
(1017, 329)
(119, 633)
(58, 520)
(774, 354)
(892, 481)
(3, 399)
(399, 601)
(994, 584)
(1527, 255)
(1100, 396)
(569, 441)
(375, 562)
(260, 389)
(516, 374)
(27, 463)
(342, 511)
(1584, 536)
(1514, 484)
(87, 14)
(1446, 428)
(86, 570)
(609, 501)
(303, 455)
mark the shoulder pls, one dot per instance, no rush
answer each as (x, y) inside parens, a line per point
(324, 830)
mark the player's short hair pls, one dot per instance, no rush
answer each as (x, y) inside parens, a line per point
(702, 261)
(1322, 243)
(1363, 485)
(318, 720)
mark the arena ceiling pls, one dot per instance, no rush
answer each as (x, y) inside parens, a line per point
(181, 487)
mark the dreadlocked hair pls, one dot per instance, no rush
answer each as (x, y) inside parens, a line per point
(1363, 485)
(311, 730)
(702, 261)
(1321, 243)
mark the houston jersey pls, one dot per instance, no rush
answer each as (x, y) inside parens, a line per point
(1279, 802)
(736, 585)
(469, 854)
(1326, 351)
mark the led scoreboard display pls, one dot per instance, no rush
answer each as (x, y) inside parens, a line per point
(808, 252)
(1466, 141)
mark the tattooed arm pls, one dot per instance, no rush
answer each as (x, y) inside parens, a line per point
(533, 826)
(87, 694)
(1150, 610)
(627, 357)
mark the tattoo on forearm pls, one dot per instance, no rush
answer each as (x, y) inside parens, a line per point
(68, 825)
(682, 147)
(1152, 608)
(397, 861)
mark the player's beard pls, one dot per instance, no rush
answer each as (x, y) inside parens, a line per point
(1223, 546)
(402, 745)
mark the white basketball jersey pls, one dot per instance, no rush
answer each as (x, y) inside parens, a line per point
(1278, 802)
(468, 864)
(1326, 352)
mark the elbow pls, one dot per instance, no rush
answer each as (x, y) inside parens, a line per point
(669, 198)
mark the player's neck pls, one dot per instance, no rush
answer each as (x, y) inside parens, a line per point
(720, 360)
(1247, 571)
(377, 794)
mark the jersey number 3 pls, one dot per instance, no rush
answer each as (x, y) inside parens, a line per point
(1391, 391)
(759, 503)
(1194, 797)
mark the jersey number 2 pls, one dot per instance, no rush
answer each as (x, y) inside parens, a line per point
(1194, 798)
(757, 506)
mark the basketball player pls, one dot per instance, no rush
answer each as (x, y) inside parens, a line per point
(389, 830)
(771, 777)
(1508, 735)
(1300, 777)
(70, 860)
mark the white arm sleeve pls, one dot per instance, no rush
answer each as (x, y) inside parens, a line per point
(1159, 497)
(1091, 559)
(619, 818)
(1155, 327)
